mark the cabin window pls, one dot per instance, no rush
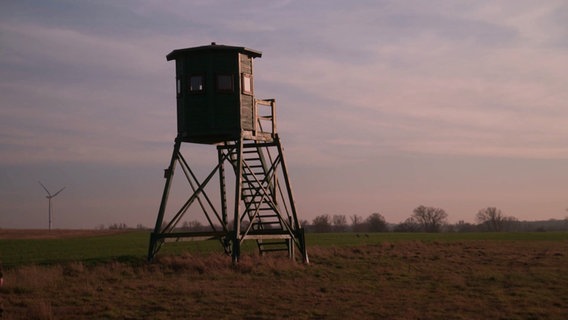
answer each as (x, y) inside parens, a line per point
(196, 84)
(225, 83)
(247, 83)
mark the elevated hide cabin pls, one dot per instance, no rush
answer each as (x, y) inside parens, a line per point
(216, 105)
(215, 93)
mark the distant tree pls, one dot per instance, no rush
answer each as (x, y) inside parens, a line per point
(409, 225)
(511, 224)
(492, 219)
(538, 225)
(304, 223)
(357, 224)
(376, 223)
(463, 226)
(431, 219)
(118, 226)
(322, 223)
(339, 223)
(193, 225)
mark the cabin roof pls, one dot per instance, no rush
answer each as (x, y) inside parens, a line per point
(213, 47)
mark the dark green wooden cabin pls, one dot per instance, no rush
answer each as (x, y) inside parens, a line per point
(215, 92)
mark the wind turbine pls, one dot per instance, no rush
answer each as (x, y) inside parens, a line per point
(49, 197)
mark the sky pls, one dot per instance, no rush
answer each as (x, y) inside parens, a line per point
(382, 106)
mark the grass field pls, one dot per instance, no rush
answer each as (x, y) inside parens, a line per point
(366, 276)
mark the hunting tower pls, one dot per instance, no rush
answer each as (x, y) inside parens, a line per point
(216, 106)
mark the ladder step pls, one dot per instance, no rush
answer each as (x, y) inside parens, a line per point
(252, 177)
(273, 243)
(267, 219)
(268, 225)
(249, 177)
(251, 187)
(252, 192)
(266, 222)
(268, 216)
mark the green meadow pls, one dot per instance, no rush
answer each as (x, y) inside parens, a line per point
(133, 245)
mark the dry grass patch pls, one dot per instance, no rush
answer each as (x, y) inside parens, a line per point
(399, 280)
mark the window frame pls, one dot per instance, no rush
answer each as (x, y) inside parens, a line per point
(189, 85)
(251, 83)
(179, 86)
(218, 86)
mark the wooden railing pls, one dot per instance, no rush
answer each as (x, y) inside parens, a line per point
(265, 115)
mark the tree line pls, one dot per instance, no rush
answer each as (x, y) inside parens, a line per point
(423, 219)
(431, 219)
